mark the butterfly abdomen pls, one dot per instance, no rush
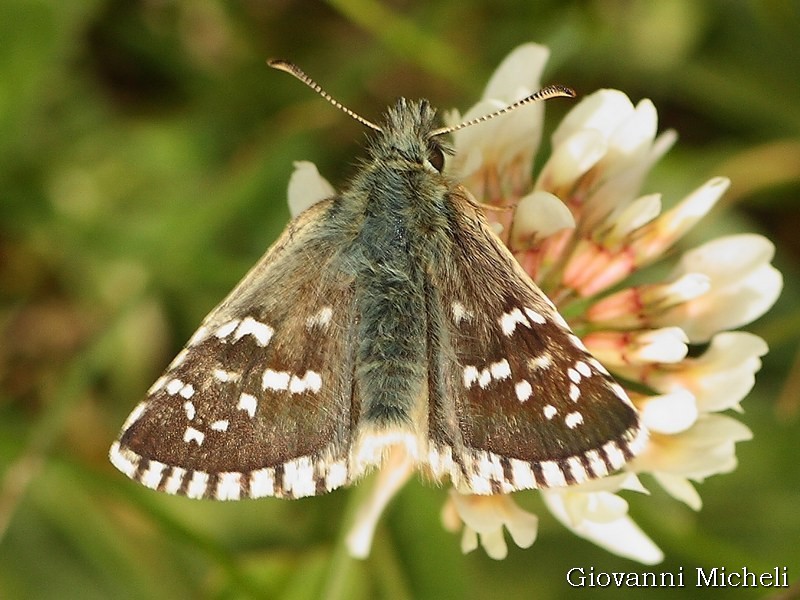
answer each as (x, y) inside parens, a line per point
(390, 364)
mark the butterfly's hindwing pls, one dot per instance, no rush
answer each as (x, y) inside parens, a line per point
(517, 400)
(259, 401)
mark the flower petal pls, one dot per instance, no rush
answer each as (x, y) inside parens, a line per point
(469, 540)
(661, 233)
(707, 448)
(485, 516)
(602, 111)
(502, 149)
(538, 215)
(639, 306)
(570, 159)
(494, 544)
(307, 187)
(599, 507)
(521, 69)
(526, 526)
(743, 285)
(679, 488)
(394, 473)
(632, 217)
(635, 135)
(621, 536)
(719, 378)
(623, 349)
(671, 413)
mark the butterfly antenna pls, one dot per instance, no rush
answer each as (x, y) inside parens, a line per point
(551, 91)
(297, 72)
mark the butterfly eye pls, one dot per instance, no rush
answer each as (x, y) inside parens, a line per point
(436, 157)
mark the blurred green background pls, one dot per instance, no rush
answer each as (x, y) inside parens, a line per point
(145, 150)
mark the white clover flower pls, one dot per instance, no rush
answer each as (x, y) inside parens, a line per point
(595, 230)
(578, 229)
(484, 518)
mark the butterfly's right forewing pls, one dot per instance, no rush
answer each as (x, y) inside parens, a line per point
(259, 401)
(516, 400)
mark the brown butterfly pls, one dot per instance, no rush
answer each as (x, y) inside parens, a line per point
(388, 314)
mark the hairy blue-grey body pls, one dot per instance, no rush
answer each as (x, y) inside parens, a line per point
(394, 210)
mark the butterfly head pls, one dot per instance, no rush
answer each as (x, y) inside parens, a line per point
(408, 134)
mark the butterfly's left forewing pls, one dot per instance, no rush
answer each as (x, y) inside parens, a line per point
(515, 400)
(259, 401)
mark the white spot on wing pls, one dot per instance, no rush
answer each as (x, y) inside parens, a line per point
(178, 360)
(370, 447)
(560, 320)
(275, 380)
(199, 336)
(460, 313)
(320, 319)
(225, 330)
(188, 406)
(549, 411)
(174, 481)
(221, 425)
(336, 475)
(597, 365)
(470, 376)
(193, 435)
(152, 476)
(124, 459)
(480, 485)
(484, 378)
(311, 381)
(500, 370)
(262, 483)
(226, 376)
(596, 463)
(135, 415)
(157, 385)
(174, 386)
(574, 392)
(576, 341)
(577, 469)
(248, 404)
(440, 460)
(523, 474)
(523, 389)
(583, 368)
(535, 317)
(197, 485)
(542, 361)
(614, 454)
(298, 477)
(509, 321)
(573, 419)
(553, 474)
(187, 391)
(637, 438)
(228, 486)
(620, 393)
(487, 469)
(573, 375)
(260, 331)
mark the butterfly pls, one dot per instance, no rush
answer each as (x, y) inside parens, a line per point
(388, 315)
